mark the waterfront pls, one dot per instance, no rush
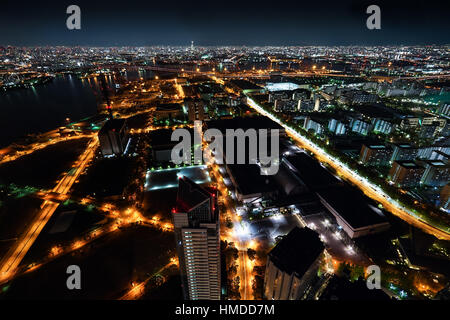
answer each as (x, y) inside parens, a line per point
(48, 106)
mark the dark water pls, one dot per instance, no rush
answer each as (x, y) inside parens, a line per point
(46, 107)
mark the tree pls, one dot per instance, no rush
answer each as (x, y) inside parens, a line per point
(251, 254)
(258, 287)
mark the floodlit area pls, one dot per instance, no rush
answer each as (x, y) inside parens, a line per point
(160, 179)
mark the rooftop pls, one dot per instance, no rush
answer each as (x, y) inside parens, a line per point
(249, 179)
(377, 147)
(409, 164)
(190, 194)
(352, 206)
(168, 107)
(297, 251)
(310, 172)
(281, 86)
(112, 125)
(258, 122)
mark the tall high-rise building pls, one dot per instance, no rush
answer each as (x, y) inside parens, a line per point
(195, 109)
(196, 222)
(113, 137)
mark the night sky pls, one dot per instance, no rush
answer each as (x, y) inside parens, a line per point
(218, 22)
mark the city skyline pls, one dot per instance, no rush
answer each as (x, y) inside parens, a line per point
(135, 142)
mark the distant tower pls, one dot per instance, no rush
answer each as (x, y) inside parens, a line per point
(192, 45)
(104, 90)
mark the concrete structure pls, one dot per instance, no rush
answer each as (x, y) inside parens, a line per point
(403, 151)
(441, 144)
(195, 109)
(313, 125)
(337, 127)
(360, 126)
(445, 197)
(439, 155)
(197, 234)
(113, 137)
(161, 145)
(437, 173)
(292, 265)
(382, 126)
(353, 212)
(375, 154)
(428, 131)
(444, 109)
(406, 173)
(168, 111)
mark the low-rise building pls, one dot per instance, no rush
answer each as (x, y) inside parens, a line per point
(353, 212)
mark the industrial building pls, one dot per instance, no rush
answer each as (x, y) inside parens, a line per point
(353, 212)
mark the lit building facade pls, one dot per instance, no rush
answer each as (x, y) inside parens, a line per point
(113, 137)
(197, 234)
(436, 174)
(375, 154)
(406, 173)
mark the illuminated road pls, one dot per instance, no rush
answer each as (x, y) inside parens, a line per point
(138, 290)
(39, 146)
(367, 187)
(267, 73)
(237, 235)
(12, 259)
(245, 273)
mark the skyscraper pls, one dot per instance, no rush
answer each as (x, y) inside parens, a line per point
(196, 222)
(113, 137)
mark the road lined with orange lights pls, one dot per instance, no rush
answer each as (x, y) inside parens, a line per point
(14, 256)
(371, 190)
(122, 219)
(244, 264)
(137, 290)
(39, 146)
(245, 274)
